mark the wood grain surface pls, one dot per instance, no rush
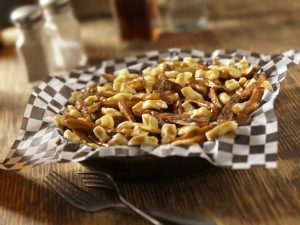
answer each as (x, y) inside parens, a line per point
(256, 196)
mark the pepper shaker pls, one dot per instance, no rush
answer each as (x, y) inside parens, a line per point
(63, 29)
(31, 43)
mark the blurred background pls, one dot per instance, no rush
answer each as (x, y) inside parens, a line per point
(204, 24)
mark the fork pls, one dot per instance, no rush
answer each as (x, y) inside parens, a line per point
(77, 196)
(83, 200)
(99, 179)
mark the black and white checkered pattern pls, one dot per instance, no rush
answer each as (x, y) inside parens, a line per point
(254, 145)
(293, 54)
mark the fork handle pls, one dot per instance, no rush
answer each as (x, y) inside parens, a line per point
(141, 212)
(177, 219)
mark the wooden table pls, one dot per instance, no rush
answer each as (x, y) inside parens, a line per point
(256, 196)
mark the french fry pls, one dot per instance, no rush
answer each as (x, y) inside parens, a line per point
(83, 136)
(79, 104)
(199, 139)
(220, 129)
(171, 86)
(114, 104)
(206, 128)
(169, 98)
(146, 96)
(81, 125)
(93, 108)
(188, 135)
(124, 131)
(216, 85)
(137, 84)
(201, 102)
(140, 112)
(226, 113)
(159, 83)
(178, 102)
(253, 103)
(107, 94)
(198, 131)
(182, 119)
(224, 74)
(214, 98)
(109, 77)
(200, 88)
(177, 107)
(126, 111)
(248, 91)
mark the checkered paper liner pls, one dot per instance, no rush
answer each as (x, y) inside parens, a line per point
(255, 144)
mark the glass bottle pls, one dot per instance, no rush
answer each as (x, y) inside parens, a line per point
(32, 43)
(64, 31)
(138, 19)
(183, 15)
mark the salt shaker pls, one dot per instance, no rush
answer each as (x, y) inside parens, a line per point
(31, 43)
(63, 29)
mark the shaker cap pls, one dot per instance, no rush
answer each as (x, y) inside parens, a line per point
(26, 15)
(54, 5)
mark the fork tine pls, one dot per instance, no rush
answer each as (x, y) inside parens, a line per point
(105, 179)
(63, 193)
(69, 193)
(92, 173)
(99, 182)
(70, 186)
(98, 174)
(98, 185)
(97, 179)
(73, 186)
(68, 197)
